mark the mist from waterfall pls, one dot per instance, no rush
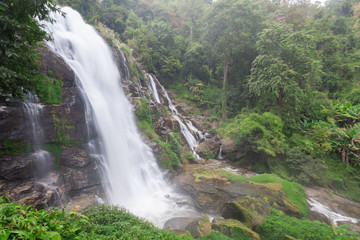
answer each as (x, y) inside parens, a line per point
(131, 175)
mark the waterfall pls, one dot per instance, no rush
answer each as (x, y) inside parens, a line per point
(33, 111)
(199, 135)
(333, 216)
(153, 88)
(184, 128)
(220, 156)
(124, 68)
(171, 105)
(131, 175)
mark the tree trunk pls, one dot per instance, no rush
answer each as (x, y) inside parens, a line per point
(224, 91)
(191, 29)
(280, 100)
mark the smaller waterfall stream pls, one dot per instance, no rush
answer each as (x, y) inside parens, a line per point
(333, 216)
(33, 110)
(184, 127)
(153, 88)
(125, 73)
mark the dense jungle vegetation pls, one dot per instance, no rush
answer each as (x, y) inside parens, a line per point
(280, 78)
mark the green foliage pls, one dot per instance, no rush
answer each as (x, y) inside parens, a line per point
(62, 129)
(112, 222)
(20, 35)
(304, 168)
(286, 64)
(175, 141)
(281, 227)
(97, 222)
(49, 90)
(343, 179)
(56, 149)
(24, 222)
(255, 133)
(8, 147)
(171, 148)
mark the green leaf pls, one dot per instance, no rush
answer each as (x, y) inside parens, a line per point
(4, 234)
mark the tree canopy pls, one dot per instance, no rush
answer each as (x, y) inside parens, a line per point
(20, 41)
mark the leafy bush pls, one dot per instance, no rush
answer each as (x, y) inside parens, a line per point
(281, 227)
(24, 222)
(112, 222)
(255, 133)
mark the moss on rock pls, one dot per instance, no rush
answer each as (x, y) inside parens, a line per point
(250, 210)
(234, 229)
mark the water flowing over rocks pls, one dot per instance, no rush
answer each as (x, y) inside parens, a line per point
(72, 169)
(330, 208)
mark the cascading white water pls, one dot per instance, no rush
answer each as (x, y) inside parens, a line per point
(124, 66)
(220, 156)
(133, 177)
(171, 105)
(333, 216)
(199, 135)
(33, 112)
(190, 139)
(153, 88)
(186, 133)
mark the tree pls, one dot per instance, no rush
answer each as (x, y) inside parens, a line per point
(193, 9)
(255, 134)
(286, 64)
(232, 28)
(20, 35)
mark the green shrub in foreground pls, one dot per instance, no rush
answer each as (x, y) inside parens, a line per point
(281, 227)
(112, 222)
(24, 222)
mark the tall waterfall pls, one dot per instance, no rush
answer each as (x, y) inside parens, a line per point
(133, 178)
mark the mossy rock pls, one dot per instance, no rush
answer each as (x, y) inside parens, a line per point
(200, 227)
(234, 229)
(250, 210)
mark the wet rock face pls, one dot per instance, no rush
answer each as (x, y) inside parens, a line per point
(212, 191)
(199, 227)
(74, 157)
(229, 226)
(227, 145)
(12, 124)
(208, 148)
(177, 223)
(68, 169)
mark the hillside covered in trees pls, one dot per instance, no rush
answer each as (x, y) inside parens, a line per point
(278, 80)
